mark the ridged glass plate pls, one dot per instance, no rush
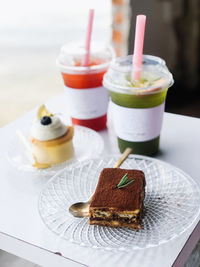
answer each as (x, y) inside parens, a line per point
(171, 204)
(86, 143)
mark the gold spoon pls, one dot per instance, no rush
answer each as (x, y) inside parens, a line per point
(36, 163)
(81, 209)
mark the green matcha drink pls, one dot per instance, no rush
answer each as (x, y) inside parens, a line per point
(138, 106)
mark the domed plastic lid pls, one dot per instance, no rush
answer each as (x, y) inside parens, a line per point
(72, 54)
(155, 76)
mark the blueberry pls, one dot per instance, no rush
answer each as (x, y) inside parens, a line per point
(46, 120)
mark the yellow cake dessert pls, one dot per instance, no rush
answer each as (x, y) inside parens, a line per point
(51, 138)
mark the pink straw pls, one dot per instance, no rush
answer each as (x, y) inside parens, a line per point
(88, 38)
(138, 47)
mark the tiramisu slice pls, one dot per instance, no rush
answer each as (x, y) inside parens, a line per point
(118, 199)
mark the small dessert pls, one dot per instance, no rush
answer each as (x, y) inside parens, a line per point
(118, 199)
(51, 139)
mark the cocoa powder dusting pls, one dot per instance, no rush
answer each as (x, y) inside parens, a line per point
(108, 196)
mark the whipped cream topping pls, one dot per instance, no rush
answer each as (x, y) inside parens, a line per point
(51, 131)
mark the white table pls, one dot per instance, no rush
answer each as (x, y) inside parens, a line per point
(23, 233)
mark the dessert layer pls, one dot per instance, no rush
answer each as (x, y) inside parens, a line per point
(53, 154)
(129, 198)
(100, 214)
(51, 130)
(60, 140)
(116, 223)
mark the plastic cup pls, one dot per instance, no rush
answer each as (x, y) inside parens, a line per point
(137, 108)
(86, 98)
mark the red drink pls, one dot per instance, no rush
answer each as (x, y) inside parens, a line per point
(87, 99)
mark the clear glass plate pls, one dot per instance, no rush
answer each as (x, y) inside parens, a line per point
(171, 204)
(87, 143)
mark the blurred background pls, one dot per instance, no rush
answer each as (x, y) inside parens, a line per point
(173, 33)
(32, 33)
